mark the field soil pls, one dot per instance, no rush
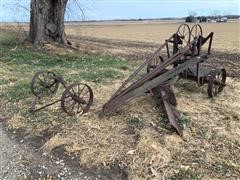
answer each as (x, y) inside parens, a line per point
(226, 35)
(140, 51)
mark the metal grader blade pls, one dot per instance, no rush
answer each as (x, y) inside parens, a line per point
(169, 101)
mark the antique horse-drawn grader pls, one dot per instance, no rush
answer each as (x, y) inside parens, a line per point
(180, 56)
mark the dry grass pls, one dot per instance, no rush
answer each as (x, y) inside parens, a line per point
(139, 141)
(137, 138)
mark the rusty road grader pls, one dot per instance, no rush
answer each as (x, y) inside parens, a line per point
(180, 56)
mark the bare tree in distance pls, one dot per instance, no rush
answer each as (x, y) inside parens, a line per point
(192, 13)
(191, 17)
(216, 14)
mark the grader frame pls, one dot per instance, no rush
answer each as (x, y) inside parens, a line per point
(179, 56)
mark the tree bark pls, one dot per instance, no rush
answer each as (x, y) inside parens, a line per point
(47, 21)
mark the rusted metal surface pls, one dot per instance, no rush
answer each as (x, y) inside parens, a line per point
(179, 56)
(44, 82)
(164, 95)
(170, 103)
(76, 99)
(216, 82)
(195, 31)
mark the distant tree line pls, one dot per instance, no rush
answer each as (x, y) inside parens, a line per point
(192, 18)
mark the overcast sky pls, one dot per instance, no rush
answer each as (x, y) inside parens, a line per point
(11, 10)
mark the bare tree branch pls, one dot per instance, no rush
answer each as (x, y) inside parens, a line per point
(23, 7)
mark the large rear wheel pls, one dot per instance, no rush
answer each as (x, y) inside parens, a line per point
(184, 33)
(154, 63)
(77, 99)
(196, 31)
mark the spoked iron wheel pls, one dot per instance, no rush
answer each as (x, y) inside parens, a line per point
(217, 82)
(196, 30)
(44, 83)
(154, 63)
(77, 99)
(184, 33)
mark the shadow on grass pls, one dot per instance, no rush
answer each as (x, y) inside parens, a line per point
(19, 91)
(189, 86)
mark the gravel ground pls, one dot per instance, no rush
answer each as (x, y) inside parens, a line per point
(17, 161)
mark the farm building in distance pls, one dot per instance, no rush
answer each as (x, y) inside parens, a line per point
(223, 19)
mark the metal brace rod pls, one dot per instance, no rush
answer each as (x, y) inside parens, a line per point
(141, 67)
(157, 69)
(35, 110)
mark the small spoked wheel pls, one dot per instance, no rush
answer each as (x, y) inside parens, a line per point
(77, 99)
(217, 82)
(44, 83)
(184, 33)
(154, 63)
(196, 30)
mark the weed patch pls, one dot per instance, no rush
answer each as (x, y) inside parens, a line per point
(19, 91)
(185, 120)
(22, 62)
(185, 174)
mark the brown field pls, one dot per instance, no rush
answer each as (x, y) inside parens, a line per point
(226, 35)
(137, 40)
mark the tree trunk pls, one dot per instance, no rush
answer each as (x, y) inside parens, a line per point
(47, 21)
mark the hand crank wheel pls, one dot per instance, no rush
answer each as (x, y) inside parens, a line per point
(196, 30)
(77, 99)
(154, 63)
(184, 33)
(217, 82)
(44, 83)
